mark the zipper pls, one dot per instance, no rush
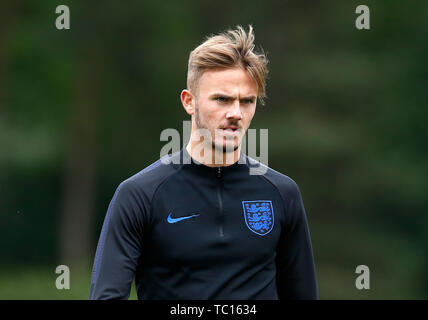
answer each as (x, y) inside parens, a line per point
(220, 200)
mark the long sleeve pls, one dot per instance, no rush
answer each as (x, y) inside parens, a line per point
(119, 246)
(296, 278)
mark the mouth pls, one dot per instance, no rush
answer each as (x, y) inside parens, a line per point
(231, 130)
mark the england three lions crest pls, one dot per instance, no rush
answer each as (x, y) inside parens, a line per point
(259, 216)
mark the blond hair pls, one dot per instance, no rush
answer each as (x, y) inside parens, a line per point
(233, 48)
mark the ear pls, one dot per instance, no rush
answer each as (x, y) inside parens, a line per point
(188, 101)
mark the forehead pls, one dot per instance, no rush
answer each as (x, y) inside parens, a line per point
(230, 81)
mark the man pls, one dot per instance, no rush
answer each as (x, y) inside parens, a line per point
(197, 224)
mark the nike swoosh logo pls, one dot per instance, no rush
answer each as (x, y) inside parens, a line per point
(174, 220)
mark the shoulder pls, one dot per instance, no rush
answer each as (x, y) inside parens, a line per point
(285, 185)
(287, 188)
(145, 182)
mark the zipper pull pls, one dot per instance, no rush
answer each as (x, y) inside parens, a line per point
(219, 172)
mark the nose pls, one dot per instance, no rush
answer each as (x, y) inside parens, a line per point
(235, 111)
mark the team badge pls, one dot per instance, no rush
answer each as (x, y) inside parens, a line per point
(259, 216)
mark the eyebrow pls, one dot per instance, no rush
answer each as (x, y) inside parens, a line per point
(219, 94)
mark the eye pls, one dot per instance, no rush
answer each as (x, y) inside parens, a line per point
(247, 101)
(221, 99)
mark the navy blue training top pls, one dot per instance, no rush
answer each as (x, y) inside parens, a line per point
(188, 231)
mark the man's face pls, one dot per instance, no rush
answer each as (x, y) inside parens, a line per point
(225, 105)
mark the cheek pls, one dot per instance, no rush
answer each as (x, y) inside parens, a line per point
(249, 114)
(212, 119)
(216, 116)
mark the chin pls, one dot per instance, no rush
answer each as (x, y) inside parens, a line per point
(225, 147)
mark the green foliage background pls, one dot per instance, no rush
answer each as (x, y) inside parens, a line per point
(346, 113)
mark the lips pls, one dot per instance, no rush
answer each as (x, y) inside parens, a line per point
(231, 129)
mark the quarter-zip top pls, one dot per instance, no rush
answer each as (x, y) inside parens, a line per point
(183, 230)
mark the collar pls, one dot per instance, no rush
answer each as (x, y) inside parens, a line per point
(190, 163)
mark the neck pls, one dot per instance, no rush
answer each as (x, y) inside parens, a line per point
(210, 156)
